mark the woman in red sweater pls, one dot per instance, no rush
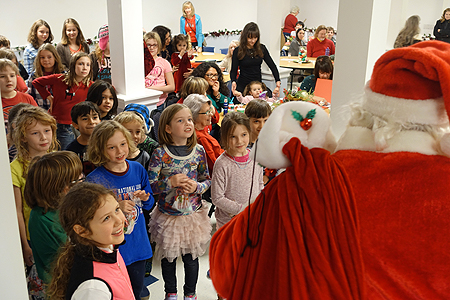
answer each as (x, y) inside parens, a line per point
(202, 113)
(290, 22)
(68, 89)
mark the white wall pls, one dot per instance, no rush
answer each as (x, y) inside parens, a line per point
(318, 12)
(401, 10)
(215, 14)
(16, 21)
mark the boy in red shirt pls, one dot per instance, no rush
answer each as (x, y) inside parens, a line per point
(8, 82)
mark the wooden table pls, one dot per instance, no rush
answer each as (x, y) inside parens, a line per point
(292, 63)
(208, 56)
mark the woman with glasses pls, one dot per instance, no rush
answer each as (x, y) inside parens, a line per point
(202, 112)
(165, 35)
(217, 87)
(160, 77)
(248, 58)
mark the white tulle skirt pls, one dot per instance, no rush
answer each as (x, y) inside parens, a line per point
(180, 235)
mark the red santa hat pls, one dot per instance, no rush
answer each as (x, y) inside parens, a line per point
(412, 85)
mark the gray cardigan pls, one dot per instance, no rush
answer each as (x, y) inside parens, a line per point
(64, 53)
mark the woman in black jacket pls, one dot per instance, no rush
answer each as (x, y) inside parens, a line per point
(442, 27)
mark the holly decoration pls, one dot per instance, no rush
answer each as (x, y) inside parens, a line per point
(305, 122)
(222, 32)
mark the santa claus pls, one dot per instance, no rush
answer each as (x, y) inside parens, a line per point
(395, 153)
(307, 237)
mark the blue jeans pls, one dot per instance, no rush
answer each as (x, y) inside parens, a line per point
(65, 135)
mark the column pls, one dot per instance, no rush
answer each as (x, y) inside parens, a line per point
(361, 42)
(12, 276)
(127, 55)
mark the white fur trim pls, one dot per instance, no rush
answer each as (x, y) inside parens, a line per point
(360, 138)
(430, 111)
(445, 144)
(281, 127)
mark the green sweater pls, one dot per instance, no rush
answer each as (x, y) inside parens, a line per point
(46, 237)
(309, 84)
(218, 104)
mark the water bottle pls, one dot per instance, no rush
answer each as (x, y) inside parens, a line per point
(327, 51)
(225, 106)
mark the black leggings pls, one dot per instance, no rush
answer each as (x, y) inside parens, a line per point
(169, 274)
(136, 271)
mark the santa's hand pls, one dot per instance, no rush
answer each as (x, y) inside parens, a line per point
(142, 195)
(126, 206)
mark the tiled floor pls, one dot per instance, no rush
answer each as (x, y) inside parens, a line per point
(205, 289)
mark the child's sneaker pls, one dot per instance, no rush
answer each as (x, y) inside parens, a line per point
(171, 296)
(191, 297)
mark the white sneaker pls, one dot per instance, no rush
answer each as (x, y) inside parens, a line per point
(192, 297)
(171, 296)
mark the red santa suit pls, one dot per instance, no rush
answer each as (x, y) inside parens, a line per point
(400, 175)
(300, 238)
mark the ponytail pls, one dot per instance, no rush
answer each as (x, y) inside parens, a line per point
(61, 272)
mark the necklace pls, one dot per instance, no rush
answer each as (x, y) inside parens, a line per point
(241, 164)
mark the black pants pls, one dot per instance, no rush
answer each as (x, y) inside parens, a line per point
(136, 271)
(169, 274)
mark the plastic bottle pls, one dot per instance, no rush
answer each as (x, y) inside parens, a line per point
(225, 106)
(327, 51)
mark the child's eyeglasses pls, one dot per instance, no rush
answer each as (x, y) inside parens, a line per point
(152, 46)
(209, 111)
(79, 180)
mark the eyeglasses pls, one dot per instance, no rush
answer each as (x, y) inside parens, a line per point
(79, 180)
(209, 111)
(212, 75)
(152, 45)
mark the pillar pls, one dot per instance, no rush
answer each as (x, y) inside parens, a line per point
(360, 43)
(127, 55)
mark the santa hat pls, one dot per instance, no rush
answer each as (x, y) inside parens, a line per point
(103, 36)
(304, 120)
(412, 85)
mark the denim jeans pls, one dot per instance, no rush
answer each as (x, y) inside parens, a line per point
(65, 135)
(169, 270)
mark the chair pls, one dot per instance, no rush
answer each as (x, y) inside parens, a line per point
(208, 49)
(224, 51)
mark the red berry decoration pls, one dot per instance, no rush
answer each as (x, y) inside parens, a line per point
(306, 124)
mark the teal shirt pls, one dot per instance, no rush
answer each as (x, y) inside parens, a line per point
(218, 104)
(309, 84)
(46, 237)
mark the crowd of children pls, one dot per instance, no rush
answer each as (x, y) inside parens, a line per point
(142, 198)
